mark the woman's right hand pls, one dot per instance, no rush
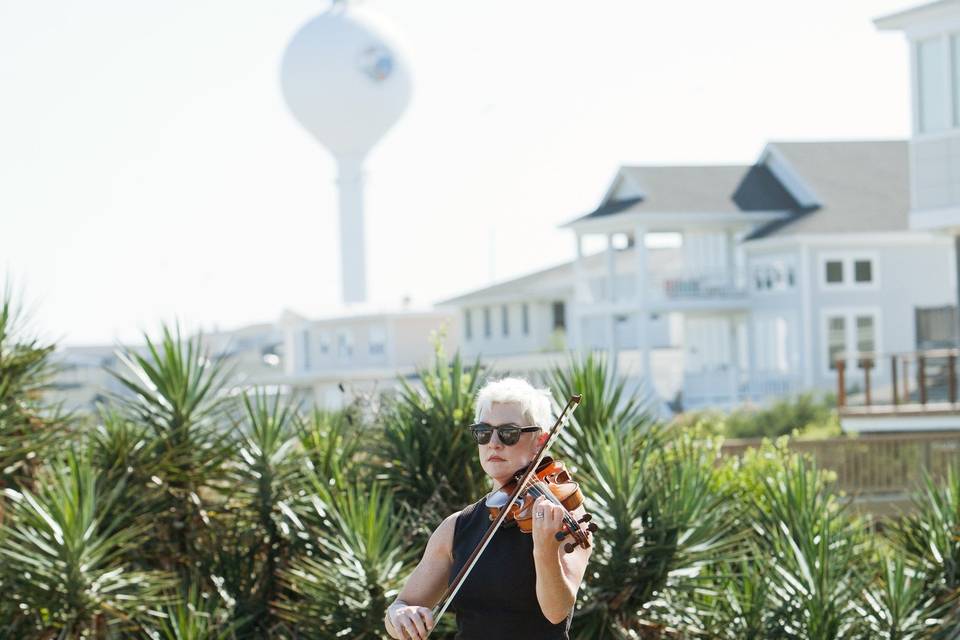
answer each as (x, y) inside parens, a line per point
(410, 621)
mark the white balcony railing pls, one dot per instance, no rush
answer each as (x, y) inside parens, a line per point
(732, 386)
(664, 286)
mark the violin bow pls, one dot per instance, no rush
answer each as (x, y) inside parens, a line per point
(454, 586)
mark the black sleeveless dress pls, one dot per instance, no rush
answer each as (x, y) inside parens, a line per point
(498, 600)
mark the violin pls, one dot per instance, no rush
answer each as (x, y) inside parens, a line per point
(551, 480)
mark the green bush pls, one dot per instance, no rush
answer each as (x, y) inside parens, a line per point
(804, 415)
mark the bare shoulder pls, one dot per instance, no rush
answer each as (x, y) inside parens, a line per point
(441, 540)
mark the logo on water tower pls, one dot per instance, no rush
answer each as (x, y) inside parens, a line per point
(376, 62)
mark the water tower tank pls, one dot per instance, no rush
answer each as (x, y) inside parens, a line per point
(347, 83)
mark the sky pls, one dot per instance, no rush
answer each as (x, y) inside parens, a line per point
(150, 171)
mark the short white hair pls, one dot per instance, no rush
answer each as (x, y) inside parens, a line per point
(534, 403)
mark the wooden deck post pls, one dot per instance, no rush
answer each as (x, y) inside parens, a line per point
(867, 365)
(893, 379)
(952, 359)
(922, 378)
(841, 384)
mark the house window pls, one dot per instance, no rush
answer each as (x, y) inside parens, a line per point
(862, 271)
(486, 322)
(773, 276)
(865, 335)
(851, 334)
(836, 339)
(344, 344)
(834, 271)
(559, 315)
(324, 343)
(933, 94)
(525, 318)
(505, 319)
(377, 341)
(468, 324)
(847, 272)
(305, 341)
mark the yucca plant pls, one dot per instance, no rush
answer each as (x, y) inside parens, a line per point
(335, 445)
(731, 603)
(66, 565)
(29, 424)
(662, 526)
(341, 586)
(194, 614)
(899, 607)
(605, 405)
(255, 542)
(180, 396)
(815, 552)
(928, 537)
(429, 458)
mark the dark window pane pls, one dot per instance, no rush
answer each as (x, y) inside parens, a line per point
(486, 322)
(863, 271)
(526, 319)
(834, 271)
(468, 324)
(505, 319)
(559, 319)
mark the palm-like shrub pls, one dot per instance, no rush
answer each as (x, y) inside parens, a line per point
(342, 585)
(662, 522)
(179, 396)
(28, 425)
(815, 552)
(929, 540)
(334, 445)
(194, 615)
(66, 566)
(254, 539)
(605, 405)
(429, 458)
(662, 526)
(899, 607)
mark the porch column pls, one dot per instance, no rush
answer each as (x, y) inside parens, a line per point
(611, 269)
(956, 251)
(641, 302)
(611, 296)
(580, 298)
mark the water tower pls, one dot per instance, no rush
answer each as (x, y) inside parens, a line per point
(347, 83)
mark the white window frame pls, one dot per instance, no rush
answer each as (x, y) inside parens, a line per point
(377, 336)
(783, 264)
(848, 259)
(850, 338)
(348, 342)
(324, 340)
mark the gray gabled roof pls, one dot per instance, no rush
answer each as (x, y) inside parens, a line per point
(860, 185)
(703, 188)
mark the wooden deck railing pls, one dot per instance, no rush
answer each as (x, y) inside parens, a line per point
(879, 464)
(914, 382)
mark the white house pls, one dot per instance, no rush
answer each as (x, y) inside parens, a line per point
(361, 351)
(780, 266)
(933, 34)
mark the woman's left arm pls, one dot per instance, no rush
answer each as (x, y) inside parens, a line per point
(559, 574)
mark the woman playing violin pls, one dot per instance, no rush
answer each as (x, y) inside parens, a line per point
(523, 585)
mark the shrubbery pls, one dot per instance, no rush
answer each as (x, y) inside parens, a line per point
(191, 510)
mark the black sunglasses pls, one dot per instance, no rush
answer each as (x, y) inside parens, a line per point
(509, 434)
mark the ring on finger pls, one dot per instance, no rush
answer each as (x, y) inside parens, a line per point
(538, 514)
